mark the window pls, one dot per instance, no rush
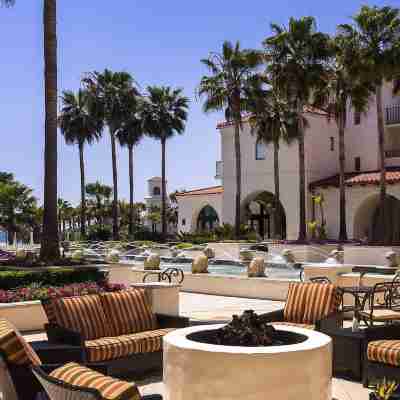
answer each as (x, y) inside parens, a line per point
(261, 150)
(357, 163)
(332, 139)
(357, 118)
(183, 222)
(156, 191)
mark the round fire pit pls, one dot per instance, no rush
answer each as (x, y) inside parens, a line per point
(300, 367)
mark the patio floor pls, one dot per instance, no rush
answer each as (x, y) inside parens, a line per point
(207, 309)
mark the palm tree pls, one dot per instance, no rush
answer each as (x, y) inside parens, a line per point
(224, 91)
(164, 115)
(49, 250)
(378, 30)
(63, 208)
(110, 91)
(272, 120)
(296, 56)
(80, 123)
(100, 194)
(129, 135)
(343, 88)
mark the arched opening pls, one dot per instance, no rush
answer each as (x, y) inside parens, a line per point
(156, 191)
(208, 219)
(368, 225)
(261, 150)
(264, 215)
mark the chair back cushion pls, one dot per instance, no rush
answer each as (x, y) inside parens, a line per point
(108, 388)
(309, 302)
(128, 311)
(14, 347)
(82, 314)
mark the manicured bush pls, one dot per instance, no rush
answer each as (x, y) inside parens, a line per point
(52, 276)
(183, 246)
(99, 233)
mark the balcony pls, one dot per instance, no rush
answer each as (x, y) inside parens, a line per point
(219, 167)
(393, 114)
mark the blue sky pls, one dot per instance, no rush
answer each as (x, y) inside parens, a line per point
(158, 42)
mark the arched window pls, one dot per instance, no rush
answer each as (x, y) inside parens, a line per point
(261, 150)
(156, 191)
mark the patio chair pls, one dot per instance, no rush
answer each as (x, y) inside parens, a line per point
(17, 362)
(383, 305)
(309, 305)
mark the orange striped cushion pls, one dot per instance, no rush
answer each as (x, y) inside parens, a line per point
(321, 300)
(83, 314)
(384, 351)
(128, 311)
(295, 302)
(296, 325)
(108, 388)
(111, 348)
(14, 347)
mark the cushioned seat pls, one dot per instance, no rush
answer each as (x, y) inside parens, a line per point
(110, 348)
(108, 388)
(304, 326)
(384, 351)
(383, 314)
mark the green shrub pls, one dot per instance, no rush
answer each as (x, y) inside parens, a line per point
(182, 246)
(52, 276)
(99, 233)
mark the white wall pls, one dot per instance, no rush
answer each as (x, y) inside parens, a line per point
(190, 206)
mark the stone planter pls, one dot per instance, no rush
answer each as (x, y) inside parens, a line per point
(25, 315)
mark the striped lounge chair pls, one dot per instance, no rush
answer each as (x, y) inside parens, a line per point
(308, 305)
(23, 376)
(118, 328)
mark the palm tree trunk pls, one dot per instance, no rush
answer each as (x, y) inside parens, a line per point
(163, 190)
(130, 151)
(238, 178)
(83, 199)
(382, 166)
(49, 249)
(302, 179)
(277, 214)
(342, 186)
(115, 186)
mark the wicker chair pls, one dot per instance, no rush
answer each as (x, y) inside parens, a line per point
(59, 390)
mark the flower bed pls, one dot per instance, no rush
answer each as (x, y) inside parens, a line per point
(39, 292)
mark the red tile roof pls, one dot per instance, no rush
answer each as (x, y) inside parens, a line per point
(359, 178)
(246, 117)
(203, 191)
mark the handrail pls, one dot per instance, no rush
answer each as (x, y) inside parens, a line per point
(166, 275)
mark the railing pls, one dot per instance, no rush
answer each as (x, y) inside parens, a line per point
(219, 169)
(167, 275)
(392, 153)
(393, 114)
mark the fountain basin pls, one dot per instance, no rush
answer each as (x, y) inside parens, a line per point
(198, 371)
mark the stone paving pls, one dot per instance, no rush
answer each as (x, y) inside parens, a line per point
(212, 309)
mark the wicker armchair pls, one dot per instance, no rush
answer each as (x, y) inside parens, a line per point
(309, 305)
(60, 390)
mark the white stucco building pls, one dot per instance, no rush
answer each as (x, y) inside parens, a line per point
(322, 166)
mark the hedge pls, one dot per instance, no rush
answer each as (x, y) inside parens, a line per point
(52, 277)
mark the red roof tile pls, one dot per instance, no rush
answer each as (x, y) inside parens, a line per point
(203, 191)
(359, 178)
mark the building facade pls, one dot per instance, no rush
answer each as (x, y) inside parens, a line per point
(270, 220)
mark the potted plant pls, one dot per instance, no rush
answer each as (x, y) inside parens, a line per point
(384, 390)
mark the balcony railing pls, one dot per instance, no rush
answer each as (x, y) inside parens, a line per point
(392, 153)
(393, 114)
(219, 168)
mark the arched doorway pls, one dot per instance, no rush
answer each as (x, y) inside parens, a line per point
(208, 219)
(264, 215)
(368, 225)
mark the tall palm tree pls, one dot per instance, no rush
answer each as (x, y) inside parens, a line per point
(272, 120)
(165, 112)
(223, 90)
(378, 29)
(296, 56)
(343, 88)
(49, 249)
(63, 207)
(110, 90)
(129, 135)
(80, 123)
